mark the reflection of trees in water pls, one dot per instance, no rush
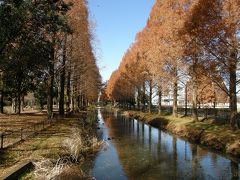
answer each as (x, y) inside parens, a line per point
(194, 161)
(159, 143)
(143, 134)
(150, 138)
(161, 161)
(214, 162)
(217, 168)
(197, 171)
(234, 170)
(138, 129)
(134, 156)
(141, 153)
(174, 144)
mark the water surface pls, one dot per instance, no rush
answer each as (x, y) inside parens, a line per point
(138, 151)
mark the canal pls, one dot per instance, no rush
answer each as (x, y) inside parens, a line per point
(135, 150)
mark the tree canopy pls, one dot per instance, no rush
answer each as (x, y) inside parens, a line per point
(47, 46)
(185, 44)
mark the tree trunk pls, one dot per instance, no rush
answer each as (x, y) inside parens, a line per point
(50, 83)
(175, 93)
(62, 79)
(194, 90)
(186, 103)
(68, 91)
(194, 99)
(206, 113)
(13, 105)
(2, 93)
(144, 96)
(83, 100)
(1, 102)
(18, 98)
(233, 94)
(138, 99)
(19, 103)
(73, 103)
(159, 100)
(78, 101)
(150, 97)
(214, 109)
(22, 104)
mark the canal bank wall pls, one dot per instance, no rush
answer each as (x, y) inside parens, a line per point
(216, 136)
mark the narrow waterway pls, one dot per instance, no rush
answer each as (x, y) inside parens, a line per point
(138, 151)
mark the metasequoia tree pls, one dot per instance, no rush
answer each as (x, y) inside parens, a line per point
(120, 90)
(83, 77)
(157, 49)
(185, 43)
(127, 80)
(50, 16)
(143, 44)
(213, 27)
(165, 19)
(208, 92)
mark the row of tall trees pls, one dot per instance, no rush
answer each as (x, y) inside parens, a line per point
(193, 45)
(46, 48)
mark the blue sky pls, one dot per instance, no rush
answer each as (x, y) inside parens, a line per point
(117, 22)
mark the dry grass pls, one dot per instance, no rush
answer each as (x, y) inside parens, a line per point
(16, 122)
(80, 144)
(47, 144)
(77, 148)
(47, 169)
